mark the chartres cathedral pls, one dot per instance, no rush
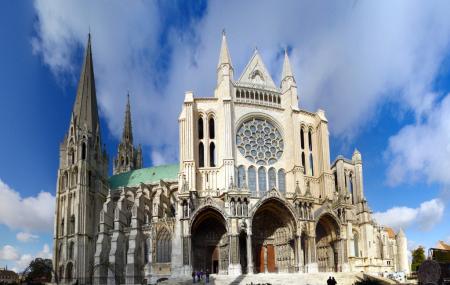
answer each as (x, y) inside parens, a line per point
(254, 191)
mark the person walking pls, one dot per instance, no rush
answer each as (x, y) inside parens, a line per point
(329, 281)
(193, 276)
(207, 275)
(334, 281)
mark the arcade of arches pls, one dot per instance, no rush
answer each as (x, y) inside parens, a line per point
(271, 244)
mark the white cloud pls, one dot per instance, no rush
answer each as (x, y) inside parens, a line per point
(424, 217)
(422, 150)
(26, 237)
(45, 252)
(34, 213)
(351, 56)
(8, 253)
(23, 262)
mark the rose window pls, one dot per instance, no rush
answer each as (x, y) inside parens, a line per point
(259, 141)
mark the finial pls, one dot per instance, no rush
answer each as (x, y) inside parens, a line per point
(223, 32)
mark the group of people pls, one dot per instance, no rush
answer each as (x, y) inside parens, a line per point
(197, 276)
(331, 281)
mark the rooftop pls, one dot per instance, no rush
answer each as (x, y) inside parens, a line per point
(144, 175)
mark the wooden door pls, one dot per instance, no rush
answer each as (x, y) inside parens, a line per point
(261, 259)
(270, 258)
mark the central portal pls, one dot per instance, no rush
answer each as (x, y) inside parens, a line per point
(273, 239)
(210, 243)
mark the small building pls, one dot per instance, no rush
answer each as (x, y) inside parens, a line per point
(8, 276)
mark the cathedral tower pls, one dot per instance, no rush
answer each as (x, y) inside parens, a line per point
(82, 184)
(128, 157)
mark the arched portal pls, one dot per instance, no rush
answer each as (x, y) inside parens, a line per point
(210, 244)
(327, 244)
(273, 239)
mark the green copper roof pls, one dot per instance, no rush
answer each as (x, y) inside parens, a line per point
(144, 175)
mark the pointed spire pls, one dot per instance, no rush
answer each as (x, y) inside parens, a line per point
(127, 135)
(224, 57)
(287, 70)
(85, 107)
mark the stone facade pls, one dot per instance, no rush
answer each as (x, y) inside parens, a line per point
(254, 192)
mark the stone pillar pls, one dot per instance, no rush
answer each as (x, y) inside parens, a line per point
(299, 255)
(249, 254)
(234, 267)
(312, 267)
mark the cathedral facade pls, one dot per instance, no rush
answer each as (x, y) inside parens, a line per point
(254, 191)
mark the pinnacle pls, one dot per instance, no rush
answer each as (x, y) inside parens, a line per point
(287, 70)
(224, 57)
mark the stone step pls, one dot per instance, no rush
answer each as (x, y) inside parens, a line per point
(275, 279)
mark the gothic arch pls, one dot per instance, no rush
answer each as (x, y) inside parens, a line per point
(208, 207)
(272, 196)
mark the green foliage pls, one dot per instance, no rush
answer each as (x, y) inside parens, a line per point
(418, 256)
(40, 271)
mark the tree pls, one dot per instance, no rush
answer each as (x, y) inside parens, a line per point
(39, 271)
(418, 256)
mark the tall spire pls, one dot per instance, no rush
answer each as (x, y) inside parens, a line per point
(85, 108)
(287, 70)
(224, 57)
(127, 135)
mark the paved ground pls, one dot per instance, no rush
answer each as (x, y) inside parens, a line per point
(274, 279)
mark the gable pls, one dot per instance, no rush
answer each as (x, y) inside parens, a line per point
(255, 73)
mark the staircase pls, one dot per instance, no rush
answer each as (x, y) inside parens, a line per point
(275, 279)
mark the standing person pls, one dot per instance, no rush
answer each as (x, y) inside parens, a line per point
(199, 275)
(193, 276)
(334, 281)
(329, 281)
(207, 276)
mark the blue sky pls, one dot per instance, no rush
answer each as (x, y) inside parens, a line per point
(381, 73)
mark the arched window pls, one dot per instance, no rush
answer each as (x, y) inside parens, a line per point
(62, 227)
(146, 246)
(212, 154)
(163, 246)
(380, 249)
(72, 225)
(69, 271)
(252, 179)
(245, 208)
(335, 181)
(241, 176)
(356, 243)
(303, 163)
(232, 207)
(272, 178)
(262, 180)
(212, 133)
(200, 128)
(83, 151)
(281, 181)
(201, 155)
(310, 140)
(302, 138)
(66, 179)
(239, 208)
(311, 164)
(74, 179)
(350, 187)
(71, 249)
(71, 156)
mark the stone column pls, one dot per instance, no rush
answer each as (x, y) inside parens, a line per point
(299, 255)
(312, 261)
(249, 254)
(234, 267)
